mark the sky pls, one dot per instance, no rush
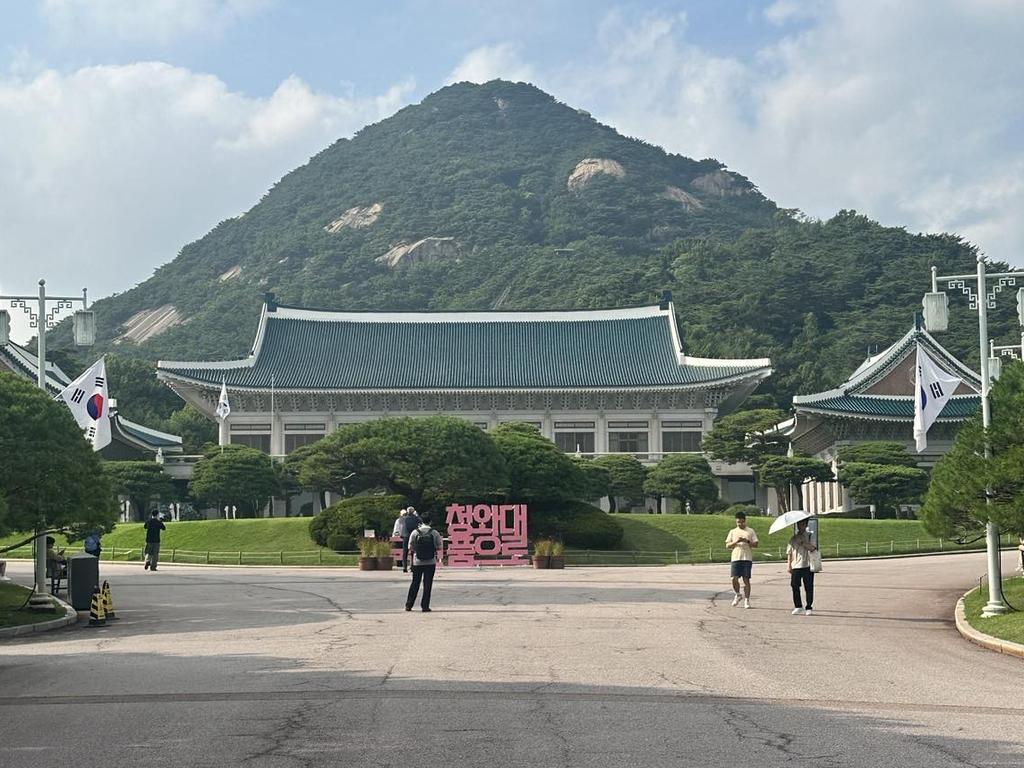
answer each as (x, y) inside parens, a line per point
(129, 129)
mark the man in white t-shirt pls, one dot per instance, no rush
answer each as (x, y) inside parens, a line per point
(742, 541)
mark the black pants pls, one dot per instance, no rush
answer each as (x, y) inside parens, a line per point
(405, 554)
(805, 575)
(426, 573)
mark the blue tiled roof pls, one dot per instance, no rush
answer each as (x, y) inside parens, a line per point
(306, 349)
(888, 407)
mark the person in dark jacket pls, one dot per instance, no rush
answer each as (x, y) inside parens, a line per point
(153, 527)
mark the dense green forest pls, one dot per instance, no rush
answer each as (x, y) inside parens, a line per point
(490, 166)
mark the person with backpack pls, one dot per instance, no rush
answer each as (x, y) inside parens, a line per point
(424, 544)
(410, 523)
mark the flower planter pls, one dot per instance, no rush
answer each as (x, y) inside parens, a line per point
(557, 561)
(385, 563)
(541, 561)
(367, 563)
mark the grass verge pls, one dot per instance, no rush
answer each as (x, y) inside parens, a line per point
(12, 598)
(1008, 627)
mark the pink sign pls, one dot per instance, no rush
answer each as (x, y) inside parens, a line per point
(486, 534)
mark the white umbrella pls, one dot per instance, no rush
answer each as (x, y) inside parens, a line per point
(792, 517)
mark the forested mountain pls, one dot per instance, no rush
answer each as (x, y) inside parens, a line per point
(497, 195)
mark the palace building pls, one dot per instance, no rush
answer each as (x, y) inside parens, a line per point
(594, 382)
(877, 403)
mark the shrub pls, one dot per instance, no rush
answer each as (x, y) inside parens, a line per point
(350, 517)
(341, 542)
(578, 525)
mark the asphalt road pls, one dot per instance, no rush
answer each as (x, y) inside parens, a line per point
(585, 667)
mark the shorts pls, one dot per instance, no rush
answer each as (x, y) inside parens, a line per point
(740, 568)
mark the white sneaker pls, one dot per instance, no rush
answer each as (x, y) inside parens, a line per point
(808, 612)
(736, 600)
(746, 602)
(797, 611)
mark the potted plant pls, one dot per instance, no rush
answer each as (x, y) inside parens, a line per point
(542, 553)
(557, 553)
(385, 562)
(367, 554)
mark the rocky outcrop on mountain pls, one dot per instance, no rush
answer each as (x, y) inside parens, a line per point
(690, 203)
(720, 183)
(589, 167)
(149, 323)
(429, 249)
(230, 274)
(355, 218)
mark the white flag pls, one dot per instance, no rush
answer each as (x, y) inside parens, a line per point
(223, 407)
(87, 398)
(934, 387)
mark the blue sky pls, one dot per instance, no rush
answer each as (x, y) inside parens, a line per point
(131, 128)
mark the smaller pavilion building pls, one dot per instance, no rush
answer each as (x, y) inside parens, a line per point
(877, 403)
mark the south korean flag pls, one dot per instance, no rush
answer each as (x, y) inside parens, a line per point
(87, 398)
(933, 387)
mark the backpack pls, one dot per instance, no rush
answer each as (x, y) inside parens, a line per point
(92, 545)
(426, 547)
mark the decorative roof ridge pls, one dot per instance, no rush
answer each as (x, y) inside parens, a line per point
(483, 316)
(835, 393)
(869, 373)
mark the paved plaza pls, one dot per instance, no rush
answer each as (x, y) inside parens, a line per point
(585, 667)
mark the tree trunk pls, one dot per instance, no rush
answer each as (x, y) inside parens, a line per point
(611, 503)
(782, 495)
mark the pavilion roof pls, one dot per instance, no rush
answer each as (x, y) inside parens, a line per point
(853, 398)
(303, 349)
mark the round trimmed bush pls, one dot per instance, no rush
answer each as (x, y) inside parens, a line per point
(341, 542)
(350, 517)
(750, 510)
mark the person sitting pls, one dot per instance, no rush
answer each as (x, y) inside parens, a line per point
(56, 565)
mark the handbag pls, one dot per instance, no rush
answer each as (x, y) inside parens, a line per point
(814, 558)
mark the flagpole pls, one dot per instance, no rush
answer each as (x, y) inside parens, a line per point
(996, 605)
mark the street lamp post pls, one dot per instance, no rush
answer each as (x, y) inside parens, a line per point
(983, 299)
(41, 320)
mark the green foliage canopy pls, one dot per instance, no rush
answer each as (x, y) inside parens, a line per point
(140, 482)
(968, 490)
(686, 478)
(782, 472)
(49, 475)
(537, 470)
(626, 477)
(746, 436)
(235, 475)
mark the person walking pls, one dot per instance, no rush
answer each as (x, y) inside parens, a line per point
(153, 527)
(798, 563)
(398, 531)
(424, 544)
(412, 522)
(742, 541)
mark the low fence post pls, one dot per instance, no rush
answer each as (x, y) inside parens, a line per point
(281, 553)
(892, 547)
(677, 557)
(866, 552)
(837, 549)
(239, 557)
(940, 545)
(711, 554)
(320, 556)
(172, 555)
(207, 557)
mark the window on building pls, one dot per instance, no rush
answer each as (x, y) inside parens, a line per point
(681, 436)
(260, 442)
(570, 442)
(293, 441)
(738, 490)
(628, 442)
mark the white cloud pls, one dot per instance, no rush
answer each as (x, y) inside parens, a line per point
(909, 112)
(145, 21)
(490, 62)
(109, 170)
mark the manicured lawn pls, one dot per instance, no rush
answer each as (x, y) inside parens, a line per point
(702, 537)
(12, 597)
(1009, 627)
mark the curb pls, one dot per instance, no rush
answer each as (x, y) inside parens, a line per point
(980, 638)
(70, 617)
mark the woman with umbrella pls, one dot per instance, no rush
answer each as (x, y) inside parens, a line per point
(799, 562)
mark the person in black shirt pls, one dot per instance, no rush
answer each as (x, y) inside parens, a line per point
(153, 527)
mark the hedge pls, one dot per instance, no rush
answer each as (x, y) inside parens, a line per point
(342, 523)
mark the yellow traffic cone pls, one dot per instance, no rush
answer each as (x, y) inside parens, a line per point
(97, 616)
(108, 601)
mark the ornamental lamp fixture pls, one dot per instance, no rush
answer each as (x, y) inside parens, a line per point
(936, 311)
(5, 327)
(85, 328)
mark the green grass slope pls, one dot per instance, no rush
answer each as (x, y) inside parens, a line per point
(1008, 627)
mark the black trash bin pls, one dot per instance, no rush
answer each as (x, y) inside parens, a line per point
(83, 576)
